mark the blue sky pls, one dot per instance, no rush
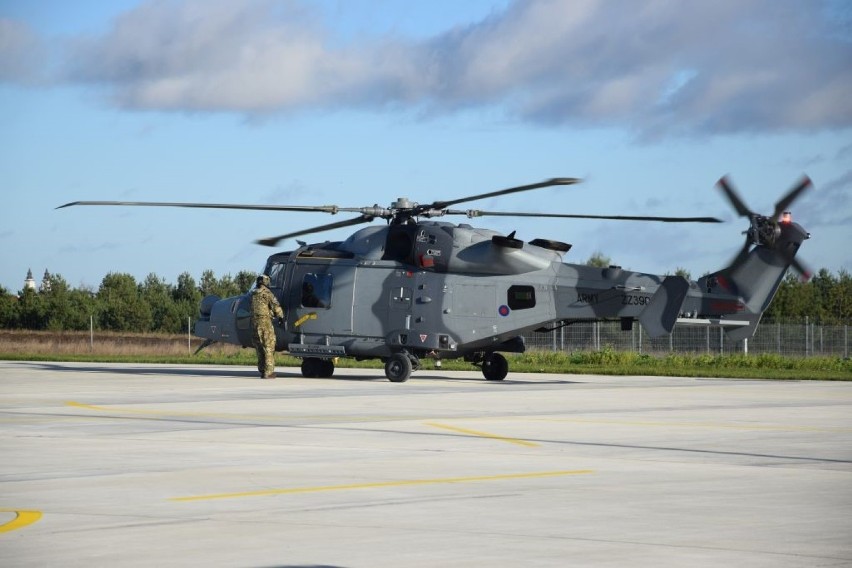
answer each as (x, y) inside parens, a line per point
(356, 102)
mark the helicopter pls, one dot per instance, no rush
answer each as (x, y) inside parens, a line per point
(417, 288)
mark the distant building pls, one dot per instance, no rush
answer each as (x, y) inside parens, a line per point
(30, 281)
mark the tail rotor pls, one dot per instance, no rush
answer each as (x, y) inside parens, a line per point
(766, 230)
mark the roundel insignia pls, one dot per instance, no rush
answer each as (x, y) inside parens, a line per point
(503, 310)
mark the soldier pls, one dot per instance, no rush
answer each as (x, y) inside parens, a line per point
(264, 307)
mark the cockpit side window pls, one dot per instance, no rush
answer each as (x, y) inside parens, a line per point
(316, 290)
(276, 275)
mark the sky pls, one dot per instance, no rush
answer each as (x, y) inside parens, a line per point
(359, 102)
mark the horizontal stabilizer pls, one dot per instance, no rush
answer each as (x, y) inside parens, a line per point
(660, 315)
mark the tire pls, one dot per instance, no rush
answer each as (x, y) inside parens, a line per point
(311, 367)
(398, 368)
(326, 368)
(495, 367)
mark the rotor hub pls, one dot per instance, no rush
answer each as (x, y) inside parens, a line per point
(403, 203)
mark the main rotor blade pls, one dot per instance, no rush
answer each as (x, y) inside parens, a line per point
(784, 203)
(734, 197)
(547, 183)
(477, 213)
(272, 241)
(320, 208)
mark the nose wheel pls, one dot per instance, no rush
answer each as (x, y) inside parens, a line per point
(398, 367)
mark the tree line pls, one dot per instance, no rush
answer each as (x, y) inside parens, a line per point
(119, 304)
(122, 304)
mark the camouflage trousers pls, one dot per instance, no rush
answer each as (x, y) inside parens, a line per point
(264, 344)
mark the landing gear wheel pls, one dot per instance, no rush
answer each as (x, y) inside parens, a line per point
(398, 368)
(326, 368)
(316, 368)
(495, 367)
(312, 367)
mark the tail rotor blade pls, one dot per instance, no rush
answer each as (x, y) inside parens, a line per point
(800, 267)
(734, 197)
(785, 202)
(741, 256)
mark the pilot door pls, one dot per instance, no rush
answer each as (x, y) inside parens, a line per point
(278, 280)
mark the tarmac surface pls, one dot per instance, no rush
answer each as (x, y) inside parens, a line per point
(175, 465)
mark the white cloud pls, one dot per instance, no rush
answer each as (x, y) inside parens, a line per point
(658, 66)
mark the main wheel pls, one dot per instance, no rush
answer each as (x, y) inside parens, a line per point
(398, 368)
(312, 367)
(495, 367)
(326, 368)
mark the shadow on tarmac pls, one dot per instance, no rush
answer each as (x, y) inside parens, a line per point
(237, 372)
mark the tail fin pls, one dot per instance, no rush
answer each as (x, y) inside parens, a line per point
(755, 280)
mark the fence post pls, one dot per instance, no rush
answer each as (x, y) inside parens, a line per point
(189, 334)
(806, 336)
(91, 333)
(778, 337)
(721, 341)
(821, 347)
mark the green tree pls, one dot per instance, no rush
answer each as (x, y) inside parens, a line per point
(599, 260)
(31, 310)
(122, 308)
(82, 309)
(823, 283)
(165, 316)
(186, 290)
(8, 309)
(224, 287)
(839, 300)
(245, 280)
(56, 300)
(187, 297)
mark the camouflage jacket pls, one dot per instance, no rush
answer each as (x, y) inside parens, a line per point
(264, 305)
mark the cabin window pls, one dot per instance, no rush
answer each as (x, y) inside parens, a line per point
(521, 297)
(276, 275)
(316, 290)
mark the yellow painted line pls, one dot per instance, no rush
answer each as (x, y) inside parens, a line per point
(756, 427)
(482, 434)
(22, 519)
(400, 483)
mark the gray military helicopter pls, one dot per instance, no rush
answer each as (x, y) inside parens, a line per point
(416, 288)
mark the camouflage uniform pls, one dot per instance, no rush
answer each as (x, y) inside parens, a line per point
(264, 307)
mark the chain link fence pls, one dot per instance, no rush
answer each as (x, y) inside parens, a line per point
(788, 339)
